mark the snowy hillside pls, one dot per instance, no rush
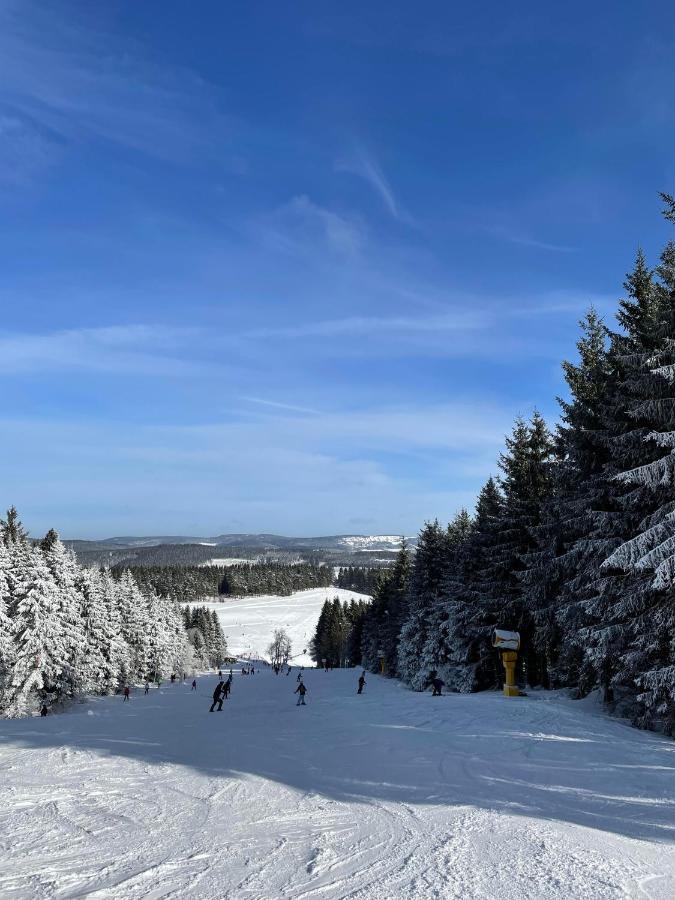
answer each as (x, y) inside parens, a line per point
(389, 795)
(249, 622)
(382, 542)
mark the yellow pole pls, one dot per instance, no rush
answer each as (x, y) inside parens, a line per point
(509, 658)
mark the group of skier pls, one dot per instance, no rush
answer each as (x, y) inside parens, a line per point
(221, 692)
(223, 688)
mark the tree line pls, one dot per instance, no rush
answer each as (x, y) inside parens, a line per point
(206, 637)
(362, 579)
(572, 544)
(189, 584)
(66, 630)
(337, 639)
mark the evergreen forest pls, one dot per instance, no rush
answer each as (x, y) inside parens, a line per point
(572, 541)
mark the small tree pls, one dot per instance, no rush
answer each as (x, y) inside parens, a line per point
(280, 649)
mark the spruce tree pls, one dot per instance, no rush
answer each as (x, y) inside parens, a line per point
(423, 594)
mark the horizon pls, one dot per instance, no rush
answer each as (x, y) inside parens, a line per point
(299, 273)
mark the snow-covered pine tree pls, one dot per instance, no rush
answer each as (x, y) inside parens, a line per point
(444, 626)
(463, 655)
(426, 577)
(42, 667)
(525, 483)
(566, 540)
(12, 530)
(65, 572)
(632, 644)
(135, 625)
(97, 676)
(118, 653)
(384, 616)
(6, 624)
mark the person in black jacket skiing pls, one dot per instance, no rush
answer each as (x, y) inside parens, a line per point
(218, 696)
(301, 690)
(437, 684)
(362, 683)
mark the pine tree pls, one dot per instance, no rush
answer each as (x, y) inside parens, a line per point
(426, 579)
(12, 530)
(42, 669)
(567, 541)
(631, 640)
(65, 572)
(384, 617)
(6, 624)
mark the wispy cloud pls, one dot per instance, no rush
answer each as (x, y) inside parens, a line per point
(120, 350)
(366, 326)
(342, 464)
(515, 236)
(301, 225)
(68, 80)
(363, 165)
(286, 407)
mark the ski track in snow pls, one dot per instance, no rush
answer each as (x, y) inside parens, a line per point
(391, 794)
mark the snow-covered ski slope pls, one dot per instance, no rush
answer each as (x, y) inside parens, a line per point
(388, 795)
(249, 622)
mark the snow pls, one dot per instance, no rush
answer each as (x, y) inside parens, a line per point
(390, 795)
(371, 542)
(228, 561)
(249, 622)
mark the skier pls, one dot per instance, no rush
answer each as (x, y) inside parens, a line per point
(252, 670)
(220, 674)
(362, 682)
(437, 684)
(194, 684)
(289, 672)
(226, 688)
(301, 690)
(173, 678)
(147, 688)
(299, 678)
(44, 710)
(126, 694)
(217, 696)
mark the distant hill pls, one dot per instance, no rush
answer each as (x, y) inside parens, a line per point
(341, 549)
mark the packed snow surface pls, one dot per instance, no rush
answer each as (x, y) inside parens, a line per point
(391, 794)
(249, 622)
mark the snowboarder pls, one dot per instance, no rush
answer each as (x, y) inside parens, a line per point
(301, 690)
(126, 694)
(217, 696)
(194, 684)
(44, 710)
(147, 688)
(437, 684)
(362, 682)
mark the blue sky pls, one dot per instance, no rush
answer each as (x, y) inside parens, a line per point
(296, 267)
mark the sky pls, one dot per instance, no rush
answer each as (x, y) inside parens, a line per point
(296, 267)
